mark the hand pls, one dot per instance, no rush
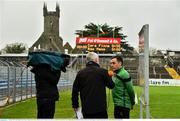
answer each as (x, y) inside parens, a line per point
(110, 73)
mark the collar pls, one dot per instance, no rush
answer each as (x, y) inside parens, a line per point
(117, 71)
(92, 63)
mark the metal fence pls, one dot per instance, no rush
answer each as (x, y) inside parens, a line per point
(17, 82)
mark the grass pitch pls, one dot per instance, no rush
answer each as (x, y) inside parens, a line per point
(164, 103)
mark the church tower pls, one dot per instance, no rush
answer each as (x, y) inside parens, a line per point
(51, 20)
(50, 39)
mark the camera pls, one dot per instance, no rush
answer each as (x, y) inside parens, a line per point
(55, 60)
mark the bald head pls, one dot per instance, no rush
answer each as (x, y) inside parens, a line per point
(92, 56)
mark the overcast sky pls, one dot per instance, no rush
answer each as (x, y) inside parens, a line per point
(22, 20)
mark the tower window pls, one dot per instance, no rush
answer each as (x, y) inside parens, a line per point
(51, 25)
(51, 22)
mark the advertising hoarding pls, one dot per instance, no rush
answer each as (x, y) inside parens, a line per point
(98, 44)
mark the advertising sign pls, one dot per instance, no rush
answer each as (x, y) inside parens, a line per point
(90, 40)
(164, 82)
(103, 45)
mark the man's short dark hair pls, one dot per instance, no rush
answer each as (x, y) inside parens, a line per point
(119, 58)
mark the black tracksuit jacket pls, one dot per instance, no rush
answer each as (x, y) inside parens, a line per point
(91, 82)
(46, 82)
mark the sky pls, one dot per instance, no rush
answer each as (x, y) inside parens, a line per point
(22, 20)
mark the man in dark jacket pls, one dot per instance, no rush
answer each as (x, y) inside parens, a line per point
(91, 82)
(47, 67)
(46, 90)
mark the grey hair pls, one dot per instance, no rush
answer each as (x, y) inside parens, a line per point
(91, 56)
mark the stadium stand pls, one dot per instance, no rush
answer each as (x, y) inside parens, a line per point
(173, 61)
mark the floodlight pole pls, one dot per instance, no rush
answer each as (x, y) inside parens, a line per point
(113, 31)
(98, 27)
(82, 34)
(82, 57)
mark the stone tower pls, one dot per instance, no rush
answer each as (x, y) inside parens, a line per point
(50, 39)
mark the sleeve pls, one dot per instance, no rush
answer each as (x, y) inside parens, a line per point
(75, 92)
(130, 91)
(108, 80)
(129, 86)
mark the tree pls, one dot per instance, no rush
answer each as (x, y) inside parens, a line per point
(93, 30)
(15, 48)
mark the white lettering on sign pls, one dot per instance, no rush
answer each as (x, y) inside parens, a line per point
(164, 82)
(82, 40)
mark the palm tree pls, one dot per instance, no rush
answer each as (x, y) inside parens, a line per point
(93, 30)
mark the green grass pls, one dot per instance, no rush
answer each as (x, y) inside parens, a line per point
(24, 109)
(164, 103)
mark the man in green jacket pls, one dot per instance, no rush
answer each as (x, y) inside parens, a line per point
(123, 92)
